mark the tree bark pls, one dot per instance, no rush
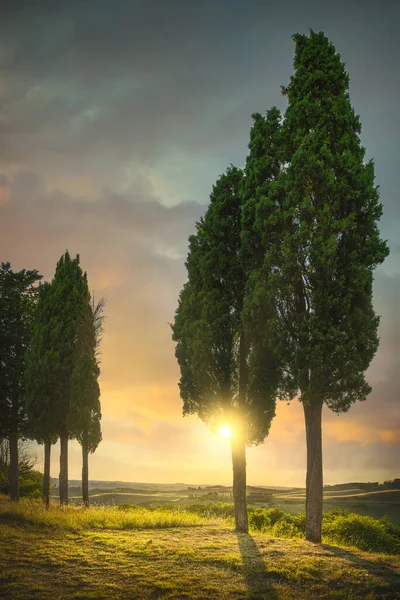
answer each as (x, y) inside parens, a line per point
(238, 448)
(314, 483)
(85, 476)
(46, 474)
(63, 480)
(13, 470)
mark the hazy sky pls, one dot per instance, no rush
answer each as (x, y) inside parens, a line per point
(116, 118)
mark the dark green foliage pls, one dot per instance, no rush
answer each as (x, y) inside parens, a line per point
(331, 243)
(211, 349)
(338, 527)
(18, 295)
(41, 369)
(364, 533)
(211, 346)
(30, 482)
(70, 296)
(85, 412)
(207, 320)
(53, 357)
(312, 241)
(262, 232)
(54, 351)
(315, 219)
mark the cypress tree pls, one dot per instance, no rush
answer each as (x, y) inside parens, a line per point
(18, 295)
(85, 412)
(212, 349)
(70, 294)
(42, 364)
(57, 328)
(325, 206)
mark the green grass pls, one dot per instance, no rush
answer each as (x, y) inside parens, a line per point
(72, 518)
(176, 554)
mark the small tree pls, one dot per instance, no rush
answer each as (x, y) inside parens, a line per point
(18, 295)
(212, 349)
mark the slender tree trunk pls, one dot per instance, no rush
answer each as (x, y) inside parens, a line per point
(13, 470)
(314, 499)
(46, 474)
(85, 475)
(63, 481)
(238, 448)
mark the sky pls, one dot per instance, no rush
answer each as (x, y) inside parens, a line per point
(116, 119)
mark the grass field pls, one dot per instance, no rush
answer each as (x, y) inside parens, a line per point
(373, 504)
(107, 553)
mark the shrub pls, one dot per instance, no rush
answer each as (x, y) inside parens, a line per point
(259, 520)
(364, 533)
(286, 528)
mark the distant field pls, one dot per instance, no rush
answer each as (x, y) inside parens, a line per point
(373, 504)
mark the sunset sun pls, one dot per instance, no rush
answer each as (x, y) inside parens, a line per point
(225, 431)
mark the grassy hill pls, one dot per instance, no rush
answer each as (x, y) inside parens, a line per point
(107, 553)
(355, 499)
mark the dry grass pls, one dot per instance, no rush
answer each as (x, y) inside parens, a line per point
(181, 562)
(73, 518)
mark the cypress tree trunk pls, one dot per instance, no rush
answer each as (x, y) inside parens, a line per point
(238, 449)
(85, 475)
(63, 468)
(13, 470)
(314, 498)
(46, 474)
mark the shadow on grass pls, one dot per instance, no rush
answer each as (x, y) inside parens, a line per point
(258, 578)
(378, 569)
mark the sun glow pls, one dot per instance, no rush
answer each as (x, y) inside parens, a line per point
(225, 431)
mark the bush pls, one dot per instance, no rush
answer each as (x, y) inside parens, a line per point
(275, 514)
(364, 533)
(259, 520)
(287, 528)
(276, 522)
(339, 527)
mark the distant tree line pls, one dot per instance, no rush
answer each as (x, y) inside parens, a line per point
(370, 486)
(278, 301)
(49, 368)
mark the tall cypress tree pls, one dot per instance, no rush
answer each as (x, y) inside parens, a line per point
(319, 278)
(212, 349)
(18, 295)
(42, 366)
(70, 295)
(85, 412)
(56, 336)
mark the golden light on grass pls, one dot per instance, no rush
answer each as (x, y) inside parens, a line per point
(225, 431)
